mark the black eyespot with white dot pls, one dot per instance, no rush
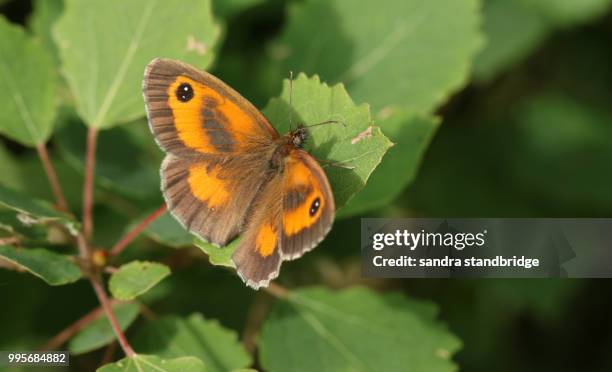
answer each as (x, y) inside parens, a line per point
(314, 207)
(184, 92)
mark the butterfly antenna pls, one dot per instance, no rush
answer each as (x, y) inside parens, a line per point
(327, 122)
(290, 100)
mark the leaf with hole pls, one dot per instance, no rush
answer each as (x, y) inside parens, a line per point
(411, 135)
(32, 211)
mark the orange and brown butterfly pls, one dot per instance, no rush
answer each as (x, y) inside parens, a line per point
(228, 172)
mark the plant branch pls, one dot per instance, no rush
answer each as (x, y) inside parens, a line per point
(90, 165)
(67, 333)
(84, 253)
(108, 309)
(84, 237)
(56, 187)
(132, 234)
(9, 240)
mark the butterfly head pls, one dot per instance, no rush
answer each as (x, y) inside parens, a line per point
(299, 136)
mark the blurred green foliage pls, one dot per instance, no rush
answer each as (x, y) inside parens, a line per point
(496, 108)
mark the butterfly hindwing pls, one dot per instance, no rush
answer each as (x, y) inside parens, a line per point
(308, 205)
(258, 257)
(293, 213)
(208, 197)
(192, 112)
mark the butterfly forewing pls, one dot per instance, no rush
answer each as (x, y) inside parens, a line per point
(192, 112)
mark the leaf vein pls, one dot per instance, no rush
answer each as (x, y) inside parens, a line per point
(125, 63)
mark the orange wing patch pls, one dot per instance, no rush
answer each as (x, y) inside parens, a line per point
(300, 218)
(209, 122)
(207, 186)
(306, 214)
(266, 240)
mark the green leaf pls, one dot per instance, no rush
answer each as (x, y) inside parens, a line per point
(359, 145)
(44, 16)
(34, 211)
(508, 44)
(28, 86)
(166, 230)
(172, 336)
(569, 12)
(136, 278)
(220, 256)
(106, 44)
(10, 168)
(153, 363)
(99, 332)
(231, 8)
(411, 135)
(357, 330)
(410, 53)
(53, 268)
(137, 178)
(10, 225)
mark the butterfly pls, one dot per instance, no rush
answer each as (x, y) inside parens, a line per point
(228, 172)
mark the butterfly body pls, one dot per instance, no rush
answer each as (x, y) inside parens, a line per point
(228, 172)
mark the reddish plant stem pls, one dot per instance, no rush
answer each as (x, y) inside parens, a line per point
(110, 269)
(82, 240)
(56, 188)
(90, 165)
(132, 234)
(9, 240)
(106, 305)
(84, 253)
(67, 333)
